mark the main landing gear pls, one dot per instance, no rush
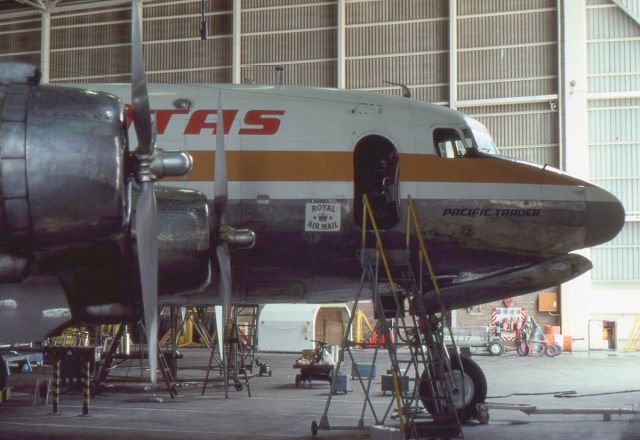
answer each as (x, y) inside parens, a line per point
(470, 388)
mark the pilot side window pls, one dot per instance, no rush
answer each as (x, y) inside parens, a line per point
(448, 143)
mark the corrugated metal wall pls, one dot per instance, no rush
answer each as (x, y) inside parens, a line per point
(526, 131)
(614, 131)
(386, 40)
(298, 35)
(508, 51)
(20, 38)
(404, 41)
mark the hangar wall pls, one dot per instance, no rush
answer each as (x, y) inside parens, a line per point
(613, 100)
(498, 60)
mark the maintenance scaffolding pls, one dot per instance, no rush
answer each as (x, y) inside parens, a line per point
(423, 372)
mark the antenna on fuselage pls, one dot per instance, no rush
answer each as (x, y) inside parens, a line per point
(406, 92)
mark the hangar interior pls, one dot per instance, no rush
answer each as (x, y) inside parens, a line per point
(556, 82)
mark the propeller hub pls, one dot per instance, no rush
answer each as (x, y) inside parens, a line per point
(237, 238)
(143, 172)
(170, 163)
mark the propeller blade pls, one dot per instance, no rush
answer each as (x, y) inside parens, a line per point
(220, 190)
(139, 95)
(220, 326)
(147, 244)
(224, 263)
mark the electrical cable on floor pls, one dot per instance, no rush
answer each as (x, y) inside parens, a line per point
(573, 394)
(555, 393)
(564, 394)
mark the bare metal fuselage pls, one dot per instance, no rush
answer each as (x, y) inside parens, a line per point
(292, 150)
(299, 161)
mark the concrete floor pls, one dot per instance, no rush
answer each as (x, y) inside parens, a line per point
(279, 410)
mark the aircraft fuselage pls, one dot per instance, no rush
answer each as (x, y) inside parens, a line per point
(299, 162)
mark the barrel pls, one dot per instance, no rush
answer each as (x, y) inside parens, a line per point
(550, 331)
(552, 334)
(567, 342)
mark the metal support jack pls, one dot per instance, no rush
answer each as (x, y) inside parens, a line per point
(164, 368)
(246, 323)
(232, 358)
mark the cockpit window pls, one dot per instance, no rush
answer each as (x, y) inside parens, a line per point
(482, 139)
(448, 143)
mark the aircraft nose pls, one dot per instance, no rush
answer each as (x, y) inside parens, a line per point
(605, 216)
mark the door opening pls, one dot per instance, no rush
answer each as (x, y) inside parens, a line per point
(376, 173)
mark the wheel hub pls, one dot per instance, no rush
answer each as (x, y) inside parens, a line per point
(463, 389)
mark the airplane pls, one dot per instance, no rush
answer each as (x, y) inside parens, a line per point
(273, 200)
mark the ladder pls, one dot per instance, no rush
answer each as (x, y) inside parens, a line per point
(162, 363)
(395, 286)
(166, 374)
(246, 316)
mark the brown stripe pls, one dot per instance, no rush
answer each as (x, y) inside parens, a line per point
(314, 166)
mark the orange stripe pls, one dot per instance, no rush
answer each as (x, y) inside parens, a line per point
(314, 166)
(257, 166)
(428, 168)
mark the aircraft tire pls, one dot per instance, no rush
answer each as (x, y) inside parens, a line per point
(475, 383)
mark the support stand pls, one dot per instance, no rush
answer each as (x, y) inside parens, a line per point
(232, 363)
(393, 284)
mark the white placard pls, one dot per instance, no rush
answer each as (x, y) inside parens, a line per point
(322, 217)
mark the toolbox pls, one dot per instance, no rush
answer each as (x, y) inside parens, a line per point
(342, 384)
(364, 370)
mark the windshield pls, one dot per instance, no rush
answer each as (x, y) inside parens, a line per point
(481, 137)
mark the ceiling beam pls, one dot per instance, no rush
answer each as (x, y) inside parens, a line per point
(631, 8)
(42, 5)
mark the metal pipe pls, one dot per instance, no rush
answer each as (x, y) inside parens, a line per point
(204, 32)
(531, 409)
(341, 82)
(45, 46)
(85, 388)
(55, 392)
(279, 75)
(453, 54)
(236, 42)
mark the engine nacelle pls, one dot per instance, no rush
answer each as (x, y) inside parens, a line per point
(183, 241)
(62, 161)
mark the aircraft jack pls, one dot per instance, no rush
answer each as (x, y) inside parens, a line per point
(430, 366)
(232, 358)
(165, 371)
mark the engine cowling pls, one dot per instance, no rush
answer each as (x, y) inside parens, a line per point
(62, 159)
